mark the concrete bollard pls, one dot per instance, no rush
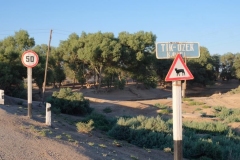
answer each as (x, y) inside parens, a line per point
(48, 114)
(1, 96)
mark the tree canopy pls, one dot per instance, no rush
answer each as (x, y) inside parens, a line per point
(12, 71)
(107, 58)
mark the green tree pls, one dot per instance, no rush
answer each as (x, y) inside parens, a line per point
(59, 74)
(101, 50)
(23, 41)
(138, 56)
(39, 70)
(216, 64)
(227, 61)
(236, 65)
(72, 63)
(202, 68)
(12, 70)
(162, 67)
(56, 65)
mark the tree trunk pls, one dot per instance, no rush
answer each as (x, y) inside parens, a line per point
(94, 77)
(73, 82)
(40, 91)
(119, 77)
(99, 83)
(99, 77)
(54, 83)
(59, 85)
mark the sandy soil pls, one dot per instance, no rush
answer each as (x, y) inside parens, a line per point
(24, 138)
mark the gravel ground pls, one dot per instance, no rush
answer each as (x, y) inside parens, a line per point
(19, 139)
(18, 144)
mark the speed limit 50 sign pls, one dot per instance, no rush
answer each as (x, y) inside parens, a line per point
(30, 59)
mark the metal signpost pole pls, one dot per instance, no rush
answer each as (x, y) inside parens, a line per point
(29, 60)
(29, 80)
(177, 119)
(46, 67)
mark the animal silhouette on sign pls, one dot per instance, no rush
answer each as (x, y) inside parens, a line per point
(178, 71)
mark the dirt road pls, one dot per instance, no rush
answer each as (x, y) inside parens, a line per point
(18, 144)
(24, 138)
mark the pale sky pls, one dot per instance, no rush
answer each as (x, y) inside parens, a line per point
(215, 24)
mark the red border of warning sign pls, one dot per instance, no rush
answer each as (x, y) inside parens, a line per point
(172, 69)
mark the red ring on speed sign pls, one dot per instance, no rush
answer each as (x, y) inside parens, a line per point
(30, 59)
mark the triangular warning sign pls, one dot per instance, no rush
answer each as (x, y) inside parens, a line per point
(178, 70)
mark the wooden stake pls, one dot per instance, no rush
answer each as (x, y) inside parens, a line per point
(45, 75)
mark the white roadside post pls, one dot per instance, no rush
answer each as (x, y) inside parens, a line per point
(178, 71)
(29, 60)
(48, 114)
(1, 96)
(29, 80)
(177, 119)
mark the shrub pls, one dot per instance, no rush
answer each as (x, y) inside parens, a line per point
(107, 110)
(235, 91)
(150, 82)
(201, 140)
(120, 132)
(69, 102)
(228, 115)
(165, 111)
(18, 91)
(142, 131)
(160, 106)
(168, 150)
(82, 80)
(198, 109)
(85, 127)
(187, 99)
(100, 121)
(217, 147)
(120, 84)
(205, 106)
(222, 112)
(56, 110)
(202, 149)
(20, 102)
(195, 103)
(206, 127)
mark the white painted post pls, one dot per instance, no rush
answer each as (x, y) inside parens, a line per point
(48, 114)
(177, 119)
(1, 96)
(29, 79)
(29, 60)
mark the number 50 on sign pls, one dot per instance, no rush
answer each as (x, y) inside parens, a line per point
(30, 59)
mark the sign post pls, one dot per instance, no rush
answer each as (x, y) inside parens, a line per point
(29, 60)
(178, 71)
(1, 96)
(177, 119)
(48, 114)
